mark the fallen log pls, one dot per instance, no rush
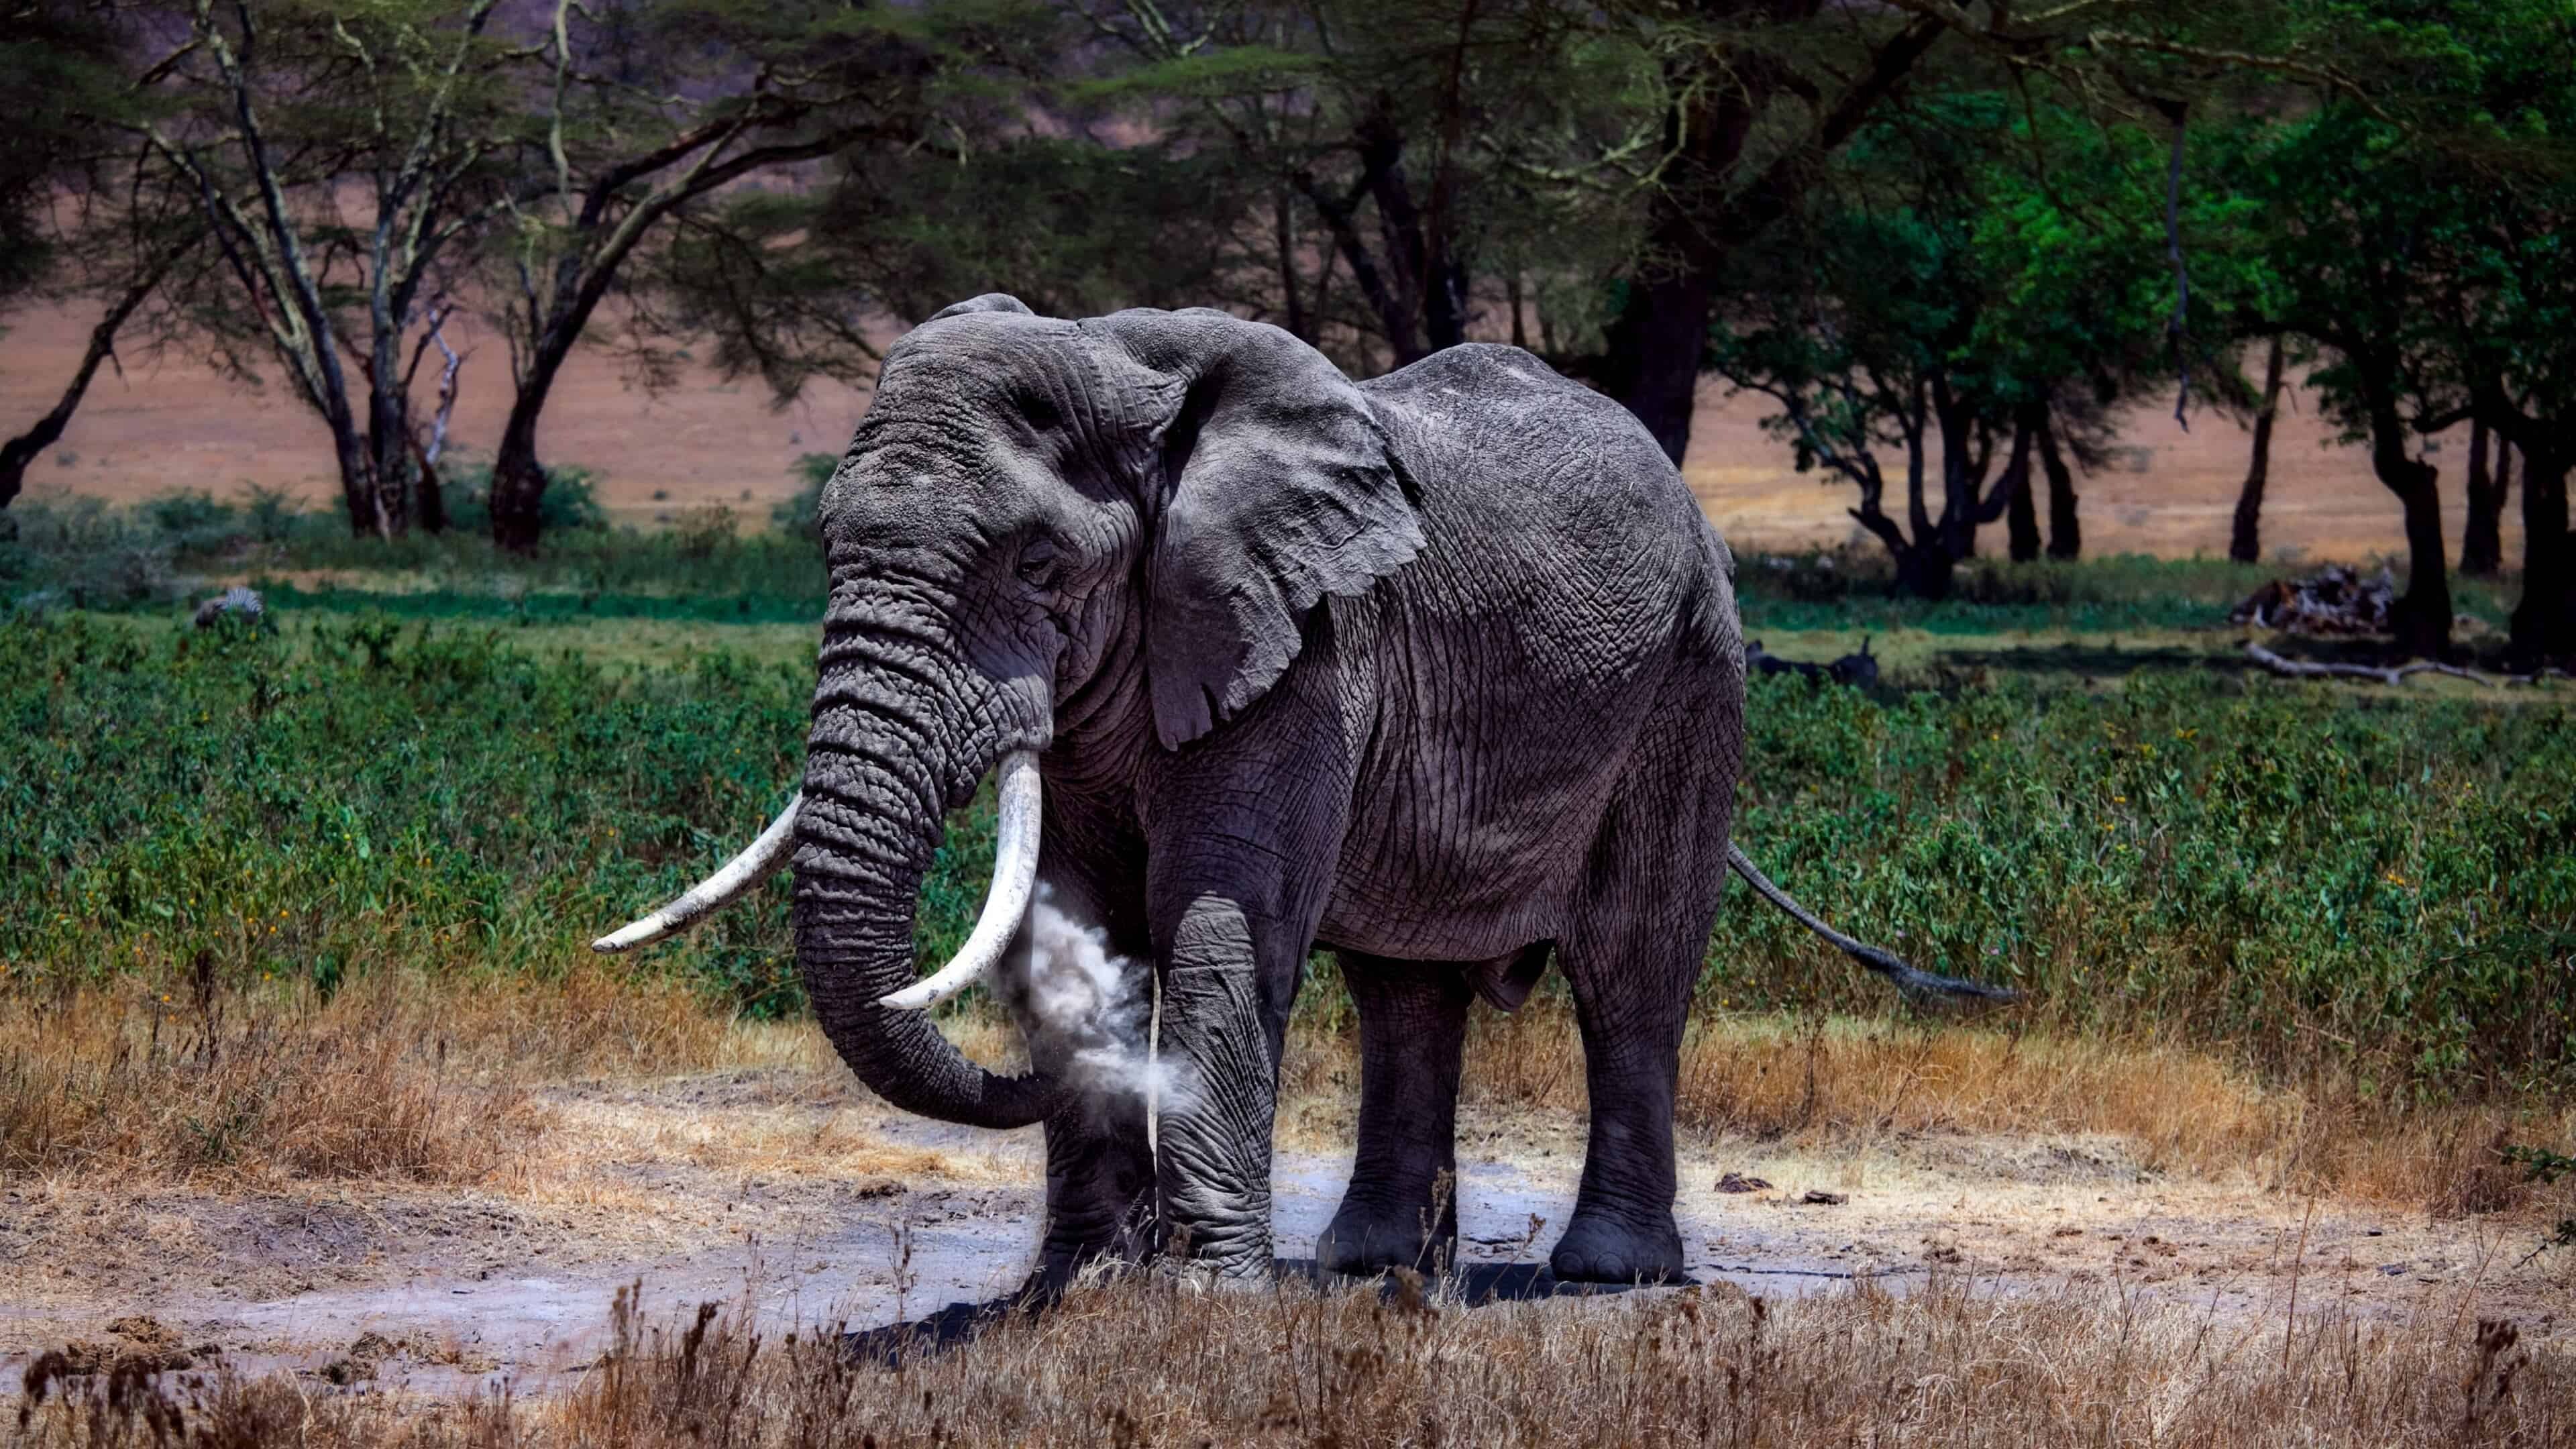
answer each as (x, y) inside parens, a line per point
(2382, 673)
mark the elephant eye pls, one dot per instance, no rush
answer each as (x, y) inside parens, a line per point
(1039, 564)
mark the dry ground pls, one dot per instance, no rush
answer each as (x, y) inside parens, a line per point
(171, 424)
(425, 1211)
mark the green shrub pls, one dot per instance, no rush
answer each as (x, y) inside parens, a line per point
(85, 554)
(571, 499)
(360, 793)
(801, 514)
(189, 517)
(1848, 588)
(272, 514)
(2306, 878)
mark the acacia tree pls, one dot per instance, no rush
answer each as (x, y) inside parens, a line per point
(77, 222)
(1382, 159)
(2348, 222)
(2505, 259)
(1757, 95)
(650, 113)
(342, 162)
(2413, 225)
(1938, 303)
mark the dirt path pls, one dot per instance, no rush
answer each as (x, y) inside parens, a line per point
(801, 1195)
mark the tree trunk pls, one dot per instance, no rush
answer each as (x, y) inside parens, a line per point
(1655, 344)
(2245, 542)
(2422, 617)
(2065, 533)
(1654, 348)
(2482, 541)
(389, 453)
(1926, 571)
(518, 480)
(431, 498)
(2021, 510)
(25, 448)
(429, 501)
(1292, 297)
(2544, 622)
(357, 481)
(1963, 472)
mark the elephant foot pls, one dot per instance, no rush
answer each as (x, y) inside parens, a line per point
(1062, 1259)
(1363, 1241)
(1598, 1249)
(1056, 1272)
(1230, 1246)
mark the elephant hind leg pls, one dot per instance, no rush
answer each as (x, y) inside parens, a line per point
(1401, 1208)
(1631, 956)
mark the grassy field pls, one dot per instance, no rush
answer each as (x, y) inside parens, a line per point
(2308, 939)
(2304, 878)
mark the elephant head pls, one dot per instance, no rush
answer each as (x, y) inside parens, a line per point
(1043, 526)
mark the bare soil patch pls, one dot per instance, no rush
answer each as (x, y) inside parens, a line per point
(789, 1193)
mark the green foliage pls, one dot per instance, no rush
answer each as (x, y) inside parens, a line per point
(57, 66)
(570, 502)
(801, 514)
(2386, 886)
(271, 514)
(1935, 308)
(2544, 1166)
(2540, 1164)
(1068, 226)
(86, 554)
(360, 793)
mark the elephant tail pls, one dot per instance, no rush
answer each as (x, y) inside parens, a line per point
(1921, 989)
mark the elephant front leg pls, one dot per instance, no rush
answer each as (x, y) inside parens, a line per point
(1099, 1162)
(1099, 1189)
(1224, 1017)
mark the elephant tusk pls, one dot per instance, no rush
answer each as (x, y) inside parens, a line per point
(1015, 879)
(761, 860)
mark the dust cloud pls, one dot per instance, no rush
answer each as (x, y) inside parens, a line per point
(1097, 1010)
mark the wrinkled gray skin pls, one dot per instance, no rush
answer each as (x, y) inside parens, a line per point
(1440, 671)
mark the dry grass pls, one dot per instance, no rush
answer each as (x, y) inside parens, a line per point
(1841, 1083)
(407, 1076)
(393, 1076)
(1948, 1364)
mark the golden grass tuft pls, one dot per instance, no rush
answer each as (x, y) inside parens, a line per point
(1156, 1359)
(1843, 1083)
(392, 1076)
(407, 1075)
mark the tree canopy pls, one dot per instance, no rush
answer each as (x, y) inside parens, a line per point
(1952, 243)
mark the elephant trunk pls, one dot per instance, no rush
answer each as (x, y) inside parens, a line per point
(898, 738)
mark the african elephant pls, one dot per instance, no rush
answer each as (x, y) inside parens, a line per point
(1440, 671)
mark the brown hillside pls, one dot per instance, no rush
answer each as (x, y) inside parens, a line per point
(170, 423)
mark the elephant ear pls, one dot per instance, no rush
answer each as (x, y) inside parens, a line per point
(1274, 486)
